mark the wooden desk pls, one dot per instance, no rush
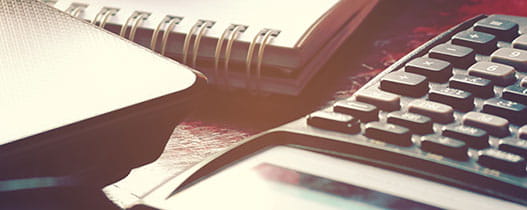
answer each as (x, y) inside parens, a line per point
(223, 119)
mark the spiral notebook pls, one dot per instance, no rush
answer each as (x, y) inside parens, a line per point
(272, 46)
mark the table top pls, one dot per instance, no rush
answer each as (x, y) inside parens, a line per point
(223, 118)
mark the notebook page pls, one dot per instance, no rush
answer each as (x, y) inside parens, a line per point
(292, 17)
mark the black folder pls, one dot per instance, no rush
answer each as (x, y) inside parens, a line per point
(77, 101)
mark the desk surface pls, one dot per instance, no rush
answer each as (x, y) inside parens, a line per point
(223, 118)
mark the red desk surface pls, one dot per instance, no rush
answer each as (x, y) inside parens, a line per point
(224, 118)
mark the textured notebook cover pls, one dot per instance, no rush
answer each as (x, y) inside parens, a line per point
(56, 70)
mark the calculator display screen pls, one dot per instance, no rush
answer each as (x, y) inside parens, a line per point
(333, 194)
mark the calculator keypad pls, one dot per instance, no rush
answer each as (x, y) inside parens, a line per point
(464, 99)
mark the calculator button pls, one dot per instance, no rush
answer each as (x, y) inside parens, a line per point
(520, 42)
(518, 147)
(383, 100)
(418, 124)
(433, 69)
(389, 133)
(439, 113)
(510, 110)
(503, 29)
(473, 137)
(365, 112)
(523, 82)
(522, 132)
(512, 57)
(459, 99)
(494, 125)
(476, 85)
(459, 56)
(479, 41)
(445, 146)
(498, 73)
(334, 121)
(502, 161)
(515, 93)
(404, 83)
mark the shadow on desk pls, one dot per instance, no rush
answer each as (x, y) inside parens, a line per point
(57, 198)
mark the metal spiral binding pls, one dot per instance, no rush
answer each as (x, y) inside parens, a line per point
(75, 9)
(201, 26)
(233, 30)
(170, 22)
(167, 25)
(264, 35)
(102, 16)
(136, 19)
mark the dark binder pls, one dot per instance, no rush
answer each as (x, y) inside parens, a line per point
(77, 101)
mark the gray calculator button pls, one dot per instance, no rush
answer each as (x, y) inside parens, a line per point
(334, 121)
(515, 93)
(513, 111)
(503, 161)
(523, 82)
(503, 29)
(458, 55)
(512, 57)
(404, 83)
(459, 99)
(389, 133)
(522, 132)
(448, 147)
(520, 42)
(440, 113)
(500, 74)
(474, 137)
(417, 123)
(494, 125)
(383, 100)
(479, 41)
(476, 85)
(434, 69)
(365, 112)
(514, 146)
